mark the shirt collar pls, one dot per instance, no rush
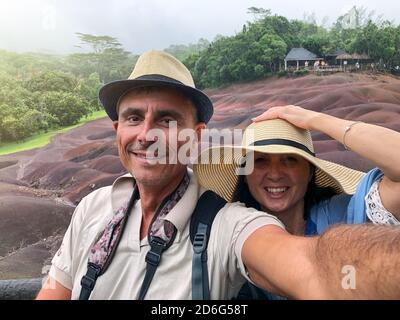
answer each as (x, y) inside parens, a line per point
(121, 191)
(179, 215)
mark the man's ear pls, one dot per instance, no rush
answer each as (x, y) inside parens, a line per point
(199, 129)
(115, 125)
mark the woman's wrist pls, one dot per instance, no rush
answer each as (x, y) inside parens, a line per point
(330, 125)
(319, 122)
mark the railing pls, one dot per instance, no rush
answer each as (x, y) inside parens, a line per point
(333, 68)
(20, 289)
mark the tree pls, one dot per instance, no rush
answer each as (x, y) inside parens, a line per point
(66, 107)
(18, 122)
(357, 17)
(310, 17)
(39, 92)
(274, 50)
(52, 81)
(89, 88)
(318, 43)
(108, 59)
(98, 43)
(182, 52)
(259, 13)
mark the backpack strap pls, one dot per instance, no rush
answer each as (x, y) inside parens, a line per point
(153, 258)
(89, 281)
(200, 226)
(159, 242)
(250, 292)
(93, 270)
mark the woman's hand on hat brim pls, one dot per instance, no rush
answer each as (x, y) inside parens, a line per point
(296, 115)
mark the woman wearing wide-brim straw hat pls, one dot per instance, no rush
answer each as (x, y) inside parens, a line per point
(307, 193)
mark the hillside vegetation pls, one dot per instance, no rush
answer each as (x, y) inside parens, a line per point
(259, 49)
(41, 93)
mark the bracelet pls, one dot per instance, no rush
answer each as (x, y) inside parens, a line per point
(347, 129)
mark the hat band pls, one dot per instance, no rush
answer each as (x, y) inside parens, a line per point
(157, 77)
(283, 142)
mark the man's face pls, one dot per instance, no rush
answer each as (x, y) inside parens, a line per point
(142, 116)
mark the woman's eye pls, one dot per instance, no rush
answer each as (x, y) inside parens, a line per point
(290, 159)
(260, 160)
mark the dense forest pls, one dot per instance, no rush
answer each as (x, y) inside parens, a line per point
(260, 48)
(39, 92)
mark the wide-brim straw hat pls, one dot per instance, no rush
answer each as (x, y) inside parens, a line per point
(160, 69)
(216, 167)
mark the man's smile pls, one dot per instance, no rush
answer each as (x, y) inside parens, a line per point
(148, 157)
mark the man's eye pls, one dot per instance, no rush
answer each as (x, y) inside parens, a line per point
(133, 119)
(166, 121)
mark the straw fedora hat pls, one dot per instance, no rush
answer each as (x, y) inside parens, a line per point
(156, 68)
(216, 166)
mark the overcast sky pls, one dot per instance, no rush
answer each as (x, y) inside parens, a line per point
(50, 25)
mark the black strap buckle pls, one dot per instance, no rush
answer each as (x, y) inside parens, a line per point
(89, 279)
(199, 242)
(200, 239)
(157, 242)
(153, 258)
(157, 246)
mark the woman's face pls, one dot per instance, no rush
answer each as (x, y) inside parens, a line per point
(279, 181)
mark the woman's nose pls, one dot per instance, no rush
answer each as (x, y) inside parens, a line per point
(274, 171)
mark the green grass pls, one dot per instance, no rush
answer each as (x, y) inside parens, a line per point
(41, 139)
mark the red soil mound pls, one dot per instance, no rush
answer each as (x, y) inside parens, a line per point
(25, 220)
(107, 163)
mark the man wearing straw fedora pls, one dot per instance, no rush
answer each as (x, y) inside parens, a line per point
(132, 240)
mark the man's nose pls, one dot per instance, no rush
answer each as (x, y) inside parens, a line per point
(144, 137)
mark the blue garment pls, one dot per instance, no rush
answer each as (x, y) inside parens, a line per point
(343, 208)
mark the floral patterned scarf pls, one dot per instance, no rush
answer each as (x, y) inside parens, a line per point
(107, 241)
